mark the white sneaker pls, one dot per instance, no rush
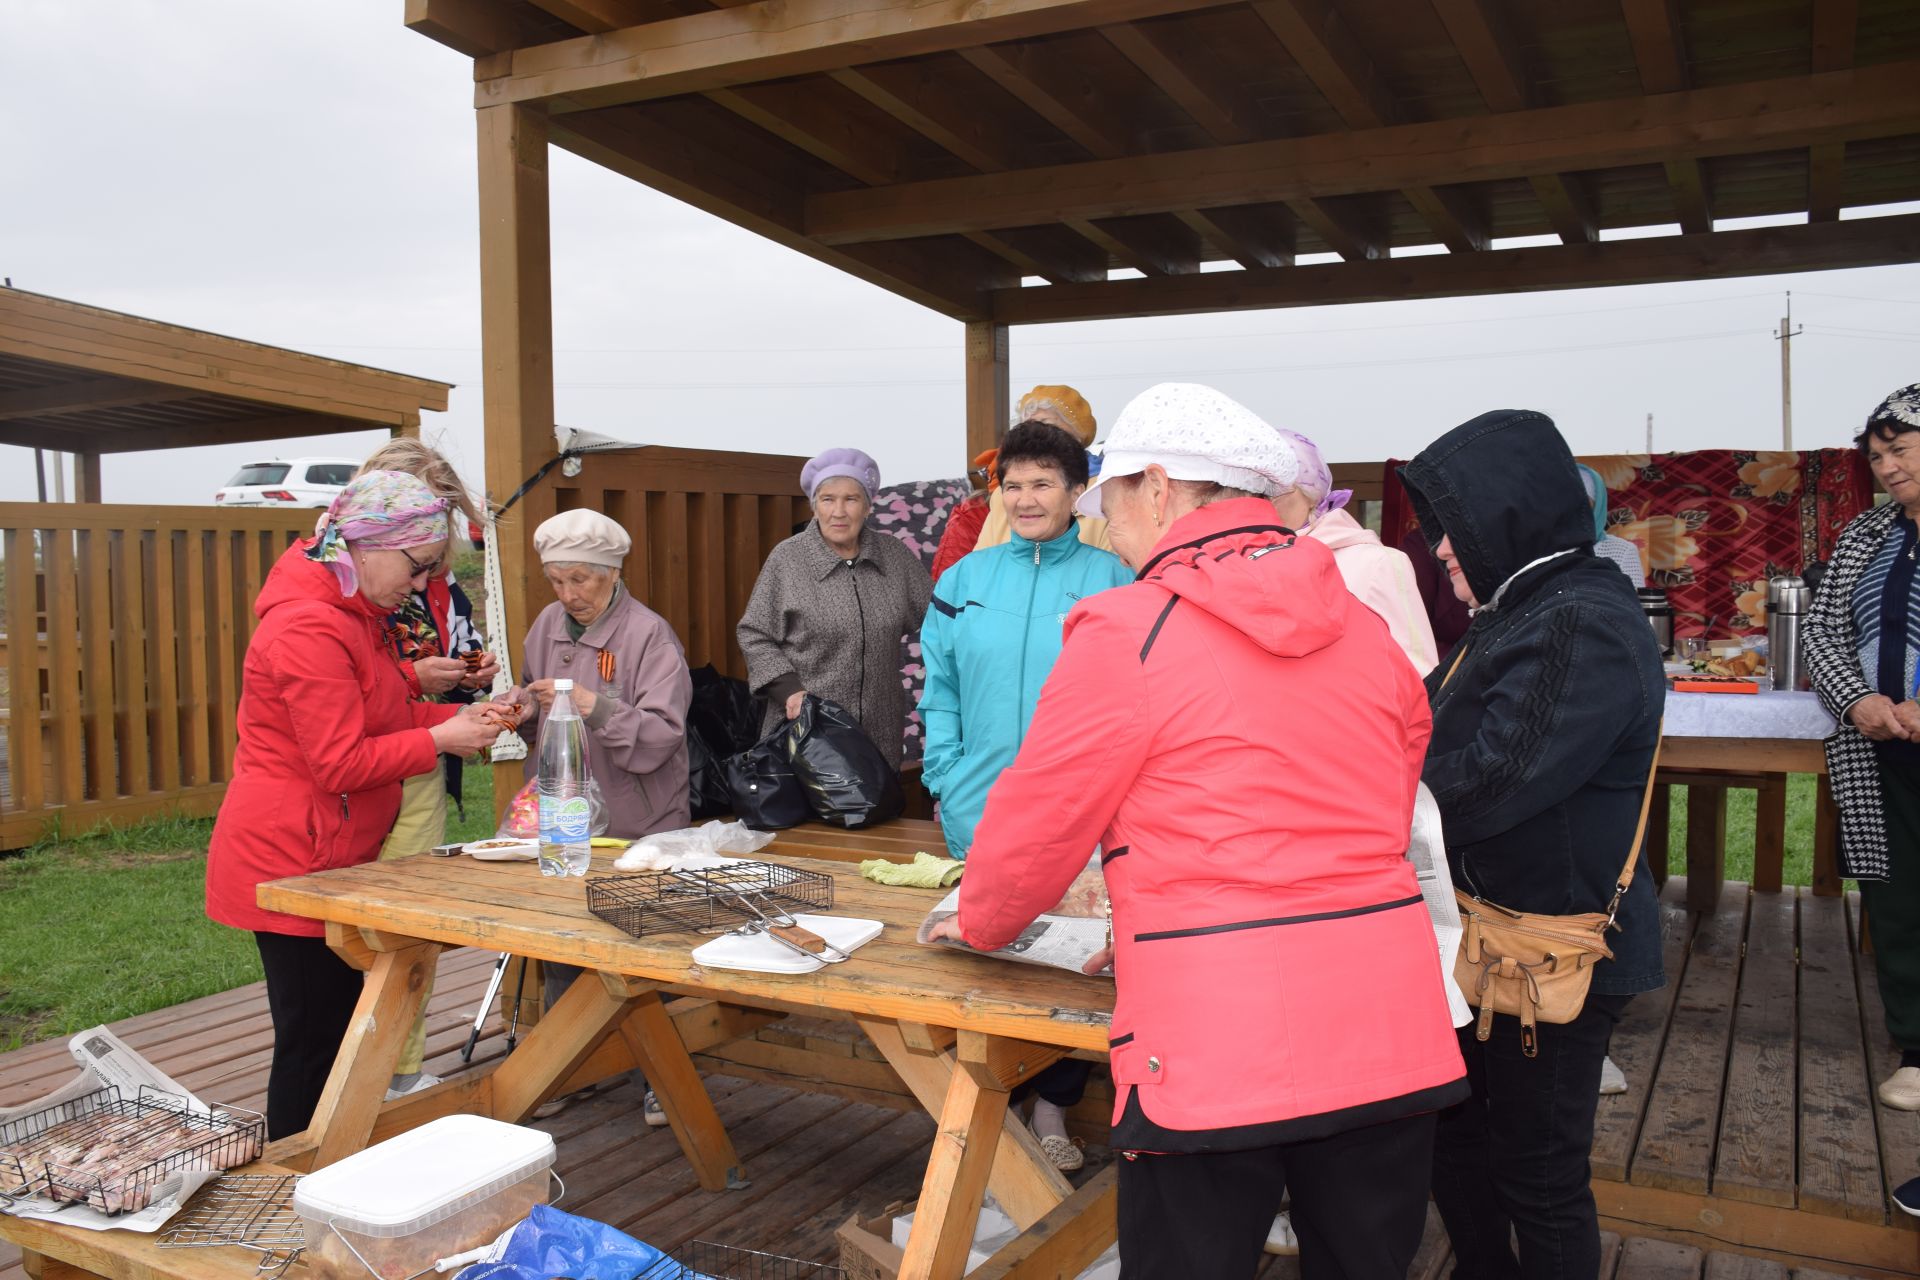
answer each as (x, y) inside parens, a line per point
(1901, 1090)
(1062, 1153)
(1280, 1237)
(1612, 1079)
(424, 1082)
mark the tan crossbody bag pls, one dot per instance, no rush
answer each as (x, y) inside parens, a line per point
(1537, 967)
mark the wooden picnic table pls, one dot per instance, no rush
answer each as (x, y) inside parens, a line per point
(961, 1030)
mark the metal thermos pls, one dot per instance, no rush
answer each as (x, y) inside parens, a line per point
(1787, 601)
(1659, 611)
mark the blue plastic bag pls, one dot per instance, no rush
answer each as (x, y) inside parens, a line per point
(555, 1243)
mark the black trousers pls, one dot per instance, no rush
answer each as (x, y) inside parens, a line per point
(1893, 906)
(1063, 1084)
(1359, 1206)
(1511, 1161)
(310, 993)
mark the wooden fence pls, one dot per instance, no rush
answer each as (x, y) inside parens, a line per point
(125, 631)
(702, 522)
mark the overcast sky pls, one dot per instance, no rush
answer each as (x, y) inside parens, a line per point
(303, 174)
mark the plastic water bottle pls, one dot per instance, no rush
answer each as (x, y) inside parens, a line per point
(566, 805)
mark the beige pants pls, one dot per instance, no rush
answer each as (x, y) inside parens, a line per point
(421, 825)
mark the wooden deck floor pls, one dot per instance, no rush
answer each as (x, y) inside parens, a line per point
(1746, 1132)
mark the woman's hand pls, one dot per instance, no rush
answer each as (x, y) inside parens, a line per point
(542, 690)
(439, 675)
(584, 702)
(947, 929)
(794, 703)
(1098, 961)
(464, 734)
(1875, 717)
(1908, 714)
(482, 676)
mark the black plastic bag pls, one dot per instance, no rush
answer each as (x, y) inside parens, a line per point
(723, 721)
(761, 787)
(845, 778)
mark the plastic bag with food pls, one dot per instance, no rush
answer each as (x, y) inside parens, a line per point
(552, 1242)
(522, 820)
(665, 850)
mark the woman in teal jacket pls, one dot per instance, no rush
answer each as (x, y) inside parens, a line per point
(988, 642)
(993, 631)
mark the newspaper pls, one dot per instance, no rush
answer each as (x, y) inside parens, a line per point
(106, 1062)
(1070, 941)
(1057, 939)
(1427, 851)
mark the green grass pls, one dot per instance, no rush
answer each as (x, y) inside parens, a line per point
(1799, 859)
(113, 924)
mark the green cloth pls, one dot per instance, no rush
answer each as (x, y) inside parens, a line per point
(924, 872)
(1893, 906)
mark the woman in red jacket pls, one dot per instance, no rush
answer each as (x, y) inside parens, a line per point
(1243, 739)
(327, 732)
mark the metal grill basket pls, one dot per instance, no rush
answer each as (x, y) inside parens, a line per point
(705, 901)
(703, 1260)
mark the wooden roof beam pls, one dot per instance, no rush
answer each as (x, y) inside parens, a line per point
(1254, 236)
(1660, 52)
(1177, 81)
(1462, 225)
(932, 116)
(473, 27)
(1151, 246)
(1835, 30)
(1492, 56)
(1863, 242)
(774, 38)
(1342, 235)
(795, 113)
(1316, 37)
(1800, 111)
(87, 394)
(1004, 69)
(273, 426)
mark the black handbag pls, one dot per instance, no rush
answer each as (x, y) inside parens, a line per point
(764, 792)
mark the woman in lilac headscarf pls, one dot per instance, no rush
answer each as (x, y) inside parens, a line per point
(833, 606)
(1381, 576)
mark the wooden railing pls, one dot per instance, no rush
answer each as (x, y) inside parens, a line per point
(125, 631)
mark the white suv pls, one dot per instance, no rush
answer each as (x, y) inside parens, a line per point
(293, 482)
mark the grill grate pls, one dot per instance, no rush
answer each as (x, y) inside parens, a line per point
(706, 901)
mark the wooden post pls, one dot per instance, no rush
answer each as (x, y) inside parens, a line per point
(1655, 851)
(86, 477)
(1826, 842)
(1770, 833)
(516, 341)
(988, 400)
(1706, 845)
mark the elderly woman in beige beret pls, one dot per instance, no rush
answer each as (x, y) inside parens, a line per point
(629, 674)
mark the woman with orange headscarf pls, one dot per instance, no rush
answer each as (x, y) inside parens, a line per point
(980, 520)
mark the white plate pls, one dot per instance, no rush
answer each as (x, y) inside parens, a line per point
(757, 953)
(518, 851)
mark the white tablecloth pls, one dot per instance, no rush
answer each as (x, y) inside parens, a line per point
(1787, 714)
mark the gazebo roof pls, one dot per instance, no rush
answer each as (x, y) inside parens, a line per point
(85, 380)
(951, 149)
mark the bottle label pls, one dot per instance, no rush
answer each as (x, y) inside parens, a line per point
(565, 819)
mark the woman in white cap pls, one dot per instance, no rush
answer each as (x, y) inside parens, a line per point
(630, 684)
(1280, 1022)
(833, 606)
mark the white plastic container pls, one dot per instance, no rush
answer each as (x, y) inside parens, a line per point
(451, 1185)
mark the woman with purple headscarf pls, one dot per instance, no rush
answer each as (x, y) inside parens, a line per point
(833, 606)
(1381, 576)
(328, 731)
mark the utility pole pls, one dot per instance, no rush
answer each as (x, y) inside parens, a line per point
(1649, 435)
(1785, 338)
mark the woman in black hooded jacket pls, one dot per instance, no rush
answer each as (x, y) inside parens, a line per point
(1543, 734)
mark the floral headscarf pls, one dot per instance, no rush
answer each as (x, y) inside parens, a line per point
(1902, 406)
(1315, 480)
(379, 511)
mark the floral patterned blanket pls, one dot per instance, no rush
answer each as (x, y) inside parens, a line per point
(1714, 524)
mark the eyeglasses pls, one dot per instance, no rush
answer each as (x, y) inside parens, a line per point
(429, 569)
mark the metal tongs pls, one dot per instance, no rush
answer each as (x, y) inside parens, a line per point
(774, 923)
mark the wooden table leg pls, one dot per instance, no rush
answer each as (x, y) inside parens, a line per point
(40, 1267)
(1706, 845)
(590, 1011)
(1826, 841)
(1659, 824)
(396, 986)
(1067, 1241)
(1023, 1180)
(957, 1175)
(675, 1081)
(1770, 833)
